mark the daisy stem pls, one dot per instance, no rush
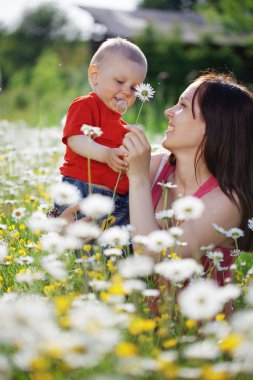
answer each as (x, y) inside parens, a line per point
(113, 197)
(139, 113)
(89, 171)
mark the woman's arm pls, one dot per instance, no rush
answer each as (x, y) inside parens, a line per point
(219, 210)
(140, 166)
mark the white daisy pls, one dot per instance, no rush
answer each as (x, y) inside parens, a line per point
(176, 232)
(150, 293)
(132, 285)
(202, 350)
(90, 131)
(97, 205)
(136, 266)
(18, 213)
(56, 268)
(144, 92)
(188, 207)
(229, 292)
(178, 270)
(115, 235)
(250, 224)
(159, 240)
(53, 242)
(235, 233)
(65, 194)
(3, 251)
(219, 229)
(216, 256)
(112, 252)
(164, 214)
(168, 185)
(83, 230)
(200, 300)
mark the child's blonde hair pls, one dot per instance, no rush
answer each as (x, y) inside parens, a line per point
(119, 45)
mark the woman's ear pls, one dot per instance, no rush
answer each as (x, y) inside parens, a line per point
(92, 74)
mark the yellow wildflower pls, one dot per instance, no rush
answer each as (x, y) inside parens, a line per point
(190, 323)
(87, 247)
(220, 317)
(40, 363)
(62, 303)
(79, 272)
(170, 343)
(126, 349)
(22, 252)
(174, 256)
(112, 268)
(209, 373)
(230, 343)
(140, 325)
(22, 226)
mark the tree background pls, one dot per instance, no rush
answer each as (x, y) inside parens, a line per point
(42, 70)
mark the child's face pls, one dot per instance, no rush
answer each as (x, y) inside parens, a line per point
(114, 81)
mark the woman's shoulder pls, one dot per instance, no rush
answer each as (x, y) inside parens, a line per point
(219, 205)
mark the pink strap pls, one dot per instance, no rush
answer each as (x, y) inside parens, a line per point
(210, 184)
(207, 186)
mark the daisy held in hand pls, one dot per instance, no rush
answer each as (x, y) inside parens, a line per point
(91, 132)
(144, 92)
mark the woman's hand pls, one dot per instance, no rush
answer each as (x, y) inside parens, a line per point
(138, 152)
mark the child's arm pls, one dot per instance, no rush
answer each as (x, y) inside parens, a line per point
(86, 147)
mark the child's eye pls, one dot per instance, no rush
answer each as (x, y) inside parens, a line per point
(133, 89)
(119, 81)
(182, 104)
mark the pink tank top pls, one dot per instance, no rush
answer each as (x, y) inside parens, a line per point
(210, 184)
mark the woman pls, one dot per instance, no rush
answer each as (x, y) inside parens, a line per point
(210, 137)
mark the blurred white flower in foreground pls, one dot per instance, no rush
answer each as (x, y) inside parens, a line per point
(202, 350)
(178, 270)
(90, 131)
(83, 230)
(136, 266)
(156, 241)
(3, 251)
(188, 207)
(200, 300)
(65, 194)
(56, 268)
(97, 206)
(115, 235)
(39, 221)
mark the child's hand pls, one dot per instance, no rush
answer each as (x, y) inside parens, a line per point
(114, 159)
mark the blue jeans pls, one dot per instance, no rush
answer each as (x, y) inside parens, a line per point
(119, 217)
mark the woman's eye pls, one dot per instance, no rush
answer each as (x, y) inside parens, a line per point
(119, 81)
(182, 104)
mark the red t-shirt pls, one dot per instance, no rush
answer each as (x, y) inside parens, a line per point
(91, 110)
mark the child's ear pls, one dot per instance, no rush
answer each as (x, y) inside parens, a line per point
(92, 74)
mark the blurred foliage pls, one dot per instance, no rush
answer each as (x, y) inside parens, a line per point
(175, 5)
(235, 16)
(41, 71)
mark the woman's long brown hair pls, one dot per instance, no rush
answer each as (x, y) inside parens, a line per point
(227, 147)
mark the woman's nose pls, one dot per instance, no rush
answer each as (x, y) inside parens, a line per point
(168, 112)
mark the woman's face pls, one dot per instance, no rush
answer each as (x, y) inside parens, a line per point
(184, 131)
